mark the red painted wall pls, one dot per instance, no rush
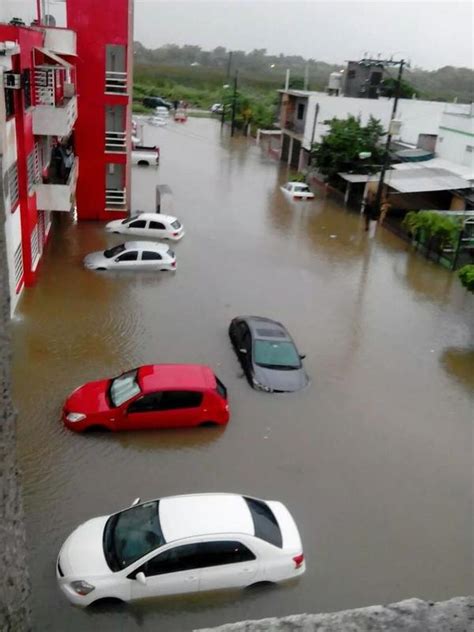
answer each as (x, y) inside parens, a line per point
(97, 24)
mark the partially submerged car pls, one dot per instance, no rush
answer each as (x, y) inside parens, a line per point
(297, 191)
(153, 225)
(133, 255)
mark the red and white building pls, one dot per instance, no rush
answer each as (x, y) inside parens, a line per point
(65, 126)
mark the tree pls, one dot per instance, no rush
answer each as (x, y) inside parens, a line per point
(430, 226)
(387, 88)
(340, 148)
(466, 276)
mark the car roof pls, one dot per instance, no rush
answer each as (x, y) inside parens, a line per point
(146, 245)
(155, 216)
(266, 328)
(299, 183)
(154, 377)
(196, 515)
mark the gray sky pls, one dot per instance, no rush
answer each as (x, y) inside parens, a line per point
(430, 33)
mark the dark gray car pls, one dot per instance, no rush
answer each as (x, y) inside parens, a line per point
(268, 355)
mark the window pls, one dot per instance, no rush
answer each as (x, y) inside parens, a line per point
(33, 171)
(26, 87)
(9, 96)
(18, 264)
(12, 174)
(180, 399)
(351, 74)
(139, 223)
(146, 404)
(276, 355)
(220, 388)
(300, 111)
(470, 148)
(123, 387)
(148, 255)
(265, 523)
(130, 255)
(35, 244)
(157, 226)
(112, 252)
(131, 534)
(201, 555)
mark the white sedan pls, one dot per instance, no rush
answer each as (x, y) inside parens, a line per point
(152, 225)
(133, 255)
(180, 544)
(298, 191)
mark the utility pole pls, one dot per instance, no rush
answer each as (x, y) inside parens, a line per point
(229, 64)
(386, 160)
(234, 104)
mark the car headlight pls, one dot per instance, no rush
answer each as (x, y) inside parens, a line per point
(73, 417)
(261, 387)
(81, 587)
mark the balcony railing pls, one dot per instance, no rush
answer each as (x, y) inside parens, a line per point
(116, 82)
(115, 199)
(56, 195)
(116, 142)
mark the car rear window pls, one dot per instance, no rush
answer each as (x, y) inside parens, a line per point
(264, 522)
(220, 388)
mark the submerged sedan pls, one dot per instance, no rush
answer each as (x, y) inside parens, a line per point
(298, 191)
(133, 255)
(180, 544)
(268, 355)
(152, 225)
(152, 396)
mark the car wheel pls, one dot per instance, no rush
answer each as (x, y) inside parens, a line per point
(116, 232)
(101, 269)
(106, 602)
(143, 163)
(260, 586)
(208, 424)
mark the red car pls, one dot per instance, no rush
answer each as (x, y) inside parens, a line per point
(153, 396)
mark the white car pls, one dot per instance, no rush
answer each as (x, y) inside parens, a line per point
(152, 225)
(217, 108)
(133, 255)
(298, 190)
(180, 544)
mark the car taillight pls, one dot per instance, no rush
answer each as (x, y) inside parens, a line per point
(175, 234)
(295, 197)
(173, 264)
(298, 560)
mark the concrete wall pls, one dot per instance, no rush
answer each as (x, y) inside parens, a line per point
(14, 584)
(456, 138)
(412, 615)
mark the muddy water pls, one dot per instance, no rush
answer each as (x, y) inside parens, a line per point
(374, 459)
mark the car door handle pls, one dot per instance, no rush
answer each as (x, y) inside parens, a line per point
(246, 570)
(191, 579)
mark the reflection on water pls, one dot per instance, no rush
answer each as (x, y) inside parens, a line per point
(356, 456)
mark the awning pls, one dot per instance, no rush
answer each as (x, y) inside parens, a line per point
(359, 177)
(421, 179)
(49, 53)
(463, 171)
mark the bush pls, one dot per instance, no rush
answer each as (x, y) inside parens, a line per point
(466, 276)
(433, 226)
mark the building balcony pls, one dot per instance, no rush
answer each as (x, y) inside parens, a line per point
(116, 82)
(57, 195)
(116, 142)
(55, 118)
(115, 199)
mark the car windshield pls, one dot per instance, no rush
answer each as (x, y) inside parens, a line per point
(176, 224)
(123, 387)
(302, 188)
(132, 533)
(130, 219)
(111, 252)
(276, 355)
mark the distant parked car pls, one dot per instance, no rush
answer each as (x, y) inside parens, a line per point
(145, 156)
(217, 108)
(152, 225)
(298, 190)
(158, 121)
(180, 544)
(268, 355)
(133, 255)
(154, 102)
(154, 396)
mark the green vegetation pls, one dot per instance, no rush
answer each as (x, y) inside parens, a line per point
(466, 276)
(435, 229)
(340, 148)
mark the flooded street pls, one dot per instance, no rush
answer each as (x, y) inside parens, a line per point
(373, 459)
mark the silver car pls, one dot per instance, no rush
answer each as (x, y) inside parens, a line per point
(133, 255)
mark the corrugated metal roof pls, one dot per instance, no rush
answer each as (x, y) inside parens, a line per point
(411, 179)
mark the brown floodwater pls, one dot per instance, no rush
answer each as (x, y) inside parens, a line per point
(374, 459)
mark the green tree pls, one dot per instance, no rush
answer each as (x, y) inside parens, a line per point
(430, 227)
(466, 276)
(388, 86)
(340, 148)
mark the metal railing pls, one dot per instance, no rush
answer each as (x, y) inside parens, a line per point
(115, 199)
(116, 142)
(116, 82)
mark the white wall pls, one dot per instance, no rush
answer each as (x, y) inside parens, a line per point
(418, 117)
(456, 136)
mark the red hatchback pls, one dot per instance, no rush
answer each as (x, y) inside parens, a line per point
(153, 396)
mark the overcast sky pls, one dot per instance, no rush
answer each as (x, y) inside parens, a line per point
(432, 34)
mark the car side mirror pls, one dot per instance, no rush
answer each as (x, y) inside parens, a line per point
(243, 350)
(135, 502)
(302, 356)
(141, 578)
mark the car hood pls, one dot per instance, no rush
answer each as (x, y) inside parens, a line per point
(89, 398)
(95, 258)
(288, 381)
(83, 551)
(116, 223)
